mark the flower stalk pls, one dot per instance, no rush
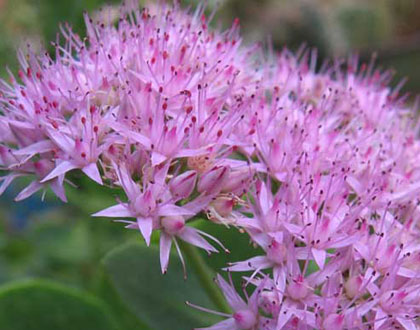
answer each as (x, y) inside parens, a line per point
(205, 276)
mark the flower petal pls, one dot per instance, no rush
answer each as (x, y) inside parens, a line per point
(119, 210)
(92, 172)
(145, 225)
(165, 244)
(60, 169)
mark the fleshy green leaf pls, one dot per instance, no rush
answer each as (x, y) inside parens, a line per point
(35, 305)
(237, 243)
(158, 300)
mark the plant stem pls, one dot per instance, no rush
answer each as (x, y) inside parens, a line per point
(205, 275)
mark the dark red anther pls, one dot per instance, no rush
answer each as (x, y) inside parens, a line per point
(83, 154)
(219, 133)
(92, 109)
(55, 104)
(186, 92)
(23, 93)
(38, 75)
(153, 60)
(83, 120)
(188, 109)
(150, 121)
(164, 106)
(160, 89)
(201, 130)
(29, 72)
(96, 129)
(165, 55)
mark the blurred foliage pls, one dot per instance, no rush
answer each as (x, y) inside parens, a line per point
(134, 271)
(391, 28)
(63, 243)
(36, 305)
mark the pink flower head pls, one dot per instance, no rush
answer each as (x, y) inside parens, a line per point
(320, 168)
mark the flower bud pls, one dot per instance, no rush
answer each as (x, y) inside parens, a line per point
(6, 156)
(245, 319)
(238, 182)
(297, 288)
(182, 185)
(269, 302)
(223, 205)
(276, 252)
(43, 167)
(173, 225)
(212, 181)
(333, 321)
(352, 286)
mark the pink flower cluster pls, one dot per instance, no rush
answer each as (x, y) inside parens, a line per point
(321, 168)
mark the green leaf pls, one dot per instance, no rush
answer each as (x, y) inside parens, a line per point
(158, 300)
(237, 243)
(35, 305)
(126, 318)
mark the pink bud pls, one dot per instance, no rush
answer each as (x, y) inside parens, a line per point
(333, 321)
(245, 319)
(212, 181)
(238, 182)
(223, 205)
(173, 225)
(352, 286)
(43, 167)
(297, 288)
(6, 156)
(182, 185)
(276, 252)
(269, 302)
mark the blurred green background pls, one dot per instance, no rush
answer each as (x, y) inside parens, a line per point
(50, 240)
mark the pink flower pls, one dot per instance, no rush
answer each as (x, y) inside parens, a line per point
(245, 315)
(319, 168)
